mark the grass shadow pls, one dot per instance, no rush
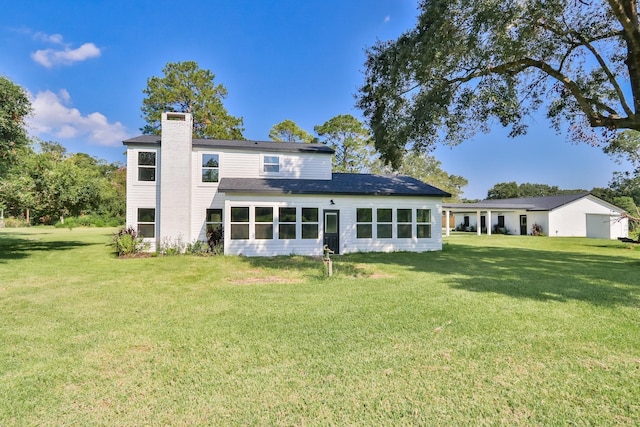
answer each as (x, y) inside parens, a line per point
(14, 248)
(542, 275)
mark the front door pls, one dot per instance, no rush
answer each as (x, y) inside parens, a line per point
(332, 230)
(523, 225)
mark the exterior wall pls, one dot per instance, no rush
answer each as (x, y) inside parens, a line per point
(347, 206)
(247, 164)
(141, 194)
(571, 220)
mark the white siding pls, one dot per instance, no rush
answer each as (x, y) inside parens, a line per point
(141, 194)
(347, 206)
(571, 220)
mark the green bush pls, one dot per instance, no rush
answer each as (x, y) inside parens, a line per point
(13, 222)
(89, 220)
(127, 242)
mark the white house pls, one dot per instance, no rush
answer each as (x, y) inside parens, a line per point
(569, 215)
(271, 198)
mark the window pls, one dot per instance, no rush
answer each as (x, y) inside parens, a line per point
(146, 166)
(423, 221)
(287, 223)
(147, 222)
(385, 227)
(271, 164)
(213, 220)
(264, 222)
(210, 167)
(364, 223)
(404, 223)
(239, 223)
(501, 221)
(309, 223)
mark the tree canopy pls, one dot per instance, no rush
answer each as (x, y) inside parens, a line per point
(471, 63)
(288, 131)
(187, 88)
(14, 107)
(350, 139)
(513, 190)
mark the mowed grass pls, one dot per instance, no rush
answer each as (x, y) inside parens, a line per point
(492, 330)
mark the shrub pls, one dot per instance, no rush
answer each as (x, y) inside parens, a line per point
(13, 222)
(127, 242)
(198, 247)
(215, 240)
(536, 230)
(170, 247)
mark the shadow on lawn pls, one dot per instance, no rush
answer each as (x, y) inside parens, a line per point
(526, 273)
(12, 248)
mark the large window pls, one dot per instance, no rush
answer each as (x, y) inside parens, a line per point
(384, 217)
(146, 165)
(264, 222)
(404, 225)
(239, 223)
(309, 223)
(210, 167)
(286, 223)
(423, 223)
(364, 223)
(213, 220)
(147, 222)
(271, 164)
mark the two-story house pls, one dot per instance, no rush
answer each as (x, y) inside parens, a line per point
(271, 198)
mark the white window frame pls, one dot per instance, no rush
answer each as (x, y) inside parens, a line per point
(204, 168)
(264, 163)
(154, 166)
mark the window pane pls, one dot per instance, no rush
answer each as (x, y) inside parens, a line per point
(423, 215)
(147, 230)
(384, 215)
(309, 231)
(146, 215)
(287, 231)
(240, 214)
(239, 231)
(146, 158)
(209, 175)
(214, 215)
(424, 231)
(364, 231)
(272, 159)
(331, 223)
(287, 214)
(146, 174)
(384, 231)
(210, 160)
(404, 215)
(264, 214)
(364, 215)
(404, 231)
(264, 231)
(309, 214)
(271, 168)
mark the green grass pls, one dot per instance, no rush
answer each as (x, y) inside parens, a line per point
(492, 330)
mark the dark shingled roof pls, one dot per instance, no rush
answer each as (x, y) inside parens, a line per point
(290, 147)
(340, 184)
(542, 203)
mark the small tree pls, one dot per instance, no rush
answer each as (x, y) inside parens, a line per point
(289, 131)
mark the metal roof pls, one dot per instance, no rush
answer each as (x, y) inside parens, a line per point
(340, 184)
(542, 203)
(287, 147)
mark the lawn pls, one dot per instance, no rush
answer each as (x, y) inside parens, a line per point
(492, 330)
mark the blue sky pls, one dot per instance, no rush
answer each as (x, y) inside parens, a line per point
(85, 64)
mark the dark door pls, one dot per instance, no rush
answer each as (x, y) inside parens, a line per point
(332, 230)
(523, 225)
(483, 223)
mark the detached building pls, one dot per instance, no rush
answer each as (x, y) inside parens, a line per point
(271, 198)
(568, 215)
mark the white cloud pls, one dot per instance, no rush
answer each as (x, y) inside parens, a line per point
(67, 56)
(49, 38)
(52, 115)
(387, 19)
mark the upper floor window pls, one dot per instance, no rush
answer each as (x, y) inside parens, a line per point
(270, 164)
(146, 166)
(210, 167)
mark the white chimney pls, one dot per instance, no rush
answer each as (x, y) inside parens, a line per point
(175, 178)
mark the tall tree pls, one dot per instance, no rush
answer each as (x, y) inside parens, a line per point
(510, 190)
(14, 107)
(469, 63)
(288, 131)
(350, 139)
(427, 169)
(187, 88)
